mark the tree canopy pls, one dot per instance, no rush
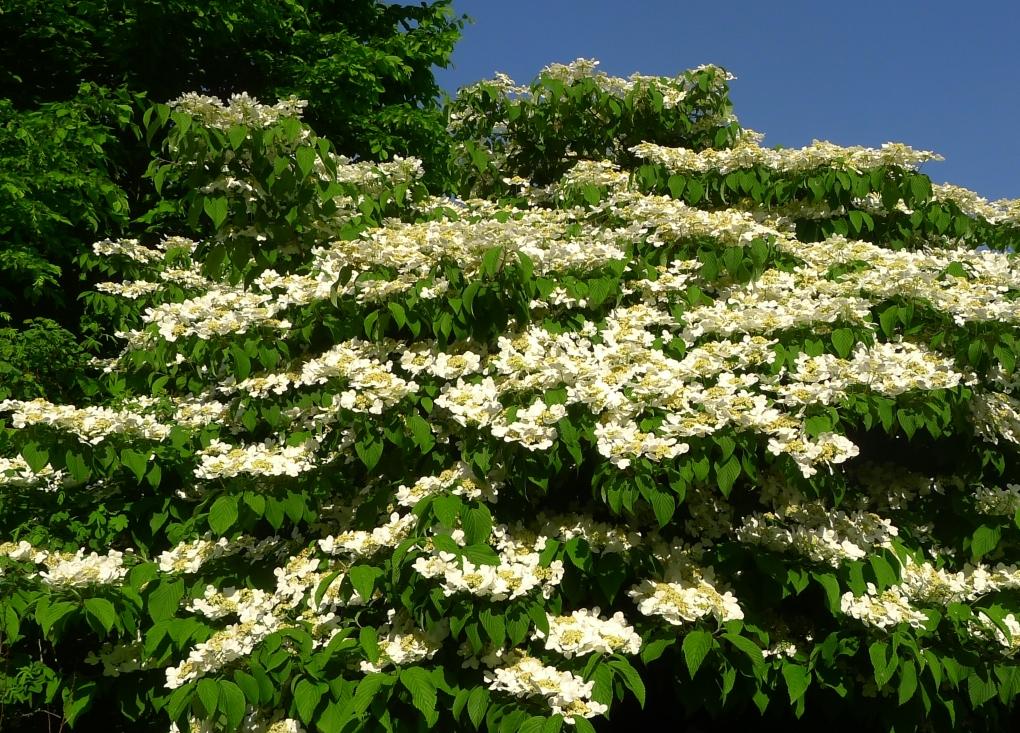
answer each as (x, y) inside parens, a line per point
(636, 422)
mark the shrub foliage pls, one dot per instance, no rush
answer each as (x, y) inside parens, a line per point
(643, 415)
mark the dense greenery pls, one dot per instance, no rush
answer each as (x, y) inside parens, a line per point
(364, 66)
(639, 423)
(77, 77)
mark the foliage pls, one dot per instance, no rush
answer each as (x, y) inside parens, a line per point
(39, 360)
(364, 66)
(58, 188)
(570, 113)
(702, 431)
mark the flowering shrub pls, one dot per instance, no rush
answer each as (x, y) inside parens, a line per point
(658, 418)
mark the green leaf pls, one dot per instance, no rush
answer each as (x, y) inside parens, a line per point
(446, 509)
(884, 573)
(984, 540)
(676, 185)
(232, 704)
(223, 514)
(306, 160)
(47, 615)
(797, 678)
(423, 692)
(727, 474)
(35, 457)
(477, 525)
(581, 725)
(553, 724)
(695, 190)
(236, 135)
(363, 579)
(77, 467)
(398, 313)
(216, 210)
(843, 341)
(695, 647)
(242, 363)
(884, 669)
(491, 261)
(367, 691)
(369, 451)
(306, 698)
(920, 187)
(630, 678)
(477, 704)
(533, 724)
(654, 649)
(663, 506)
(164, 599)
(78, 700)
(908, 681)
(249, 685)
(102, 612)
(748, 647)
(830, 584)
(368, 637)
(209, 694)
(889, 318)
(494, 626)
(980, 690)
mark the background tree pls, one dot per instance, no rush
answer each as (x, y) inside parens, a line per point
(76, 77)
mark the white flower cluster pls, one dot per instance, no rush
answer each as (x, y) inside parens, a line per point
(217, 603)
(260, 614)
(747, 154)
(525, 676)
(686, 594)
(90, 424)
(673, 90)
(199, 411)
(16, 472)
(818, 532)
(221, 311)
(70, 570)
(371, 385)
(254, 722)
(81, 570)
(985, 627)
(585, 632)
(519, 570)
(190, 555)
(600, 173)
(602, 537)
(996, 501)
(622, 442)
(458, 481)
(129, 248)
(531, 427)
(365, 543)
(1003, 211)
(240, 109)
(130, 290)
(996, 415)
(923, 583)
(402, 643)
(888, 608)
(423, 357)
(222, 460)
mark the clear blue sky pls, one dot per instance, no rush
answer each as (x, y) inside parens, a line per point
(937, 75)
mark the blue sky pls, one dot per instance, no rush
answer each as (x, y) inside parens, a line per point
(937, 75)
